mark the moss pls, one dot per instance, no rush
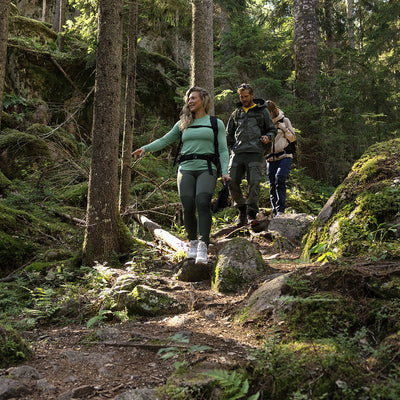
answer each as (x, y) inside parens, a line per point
(322, 315)
(4, 182)
(26, 27)
(76, 195)
(22, 151)
(14, 251)
(13, 348)
(38, 266)
(364, 209)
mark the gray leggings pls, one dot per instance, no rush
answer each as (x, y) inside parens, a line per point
(196, 189)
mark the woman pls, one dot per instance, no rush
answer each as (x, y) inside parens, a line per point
(279, 161)
(196, 181)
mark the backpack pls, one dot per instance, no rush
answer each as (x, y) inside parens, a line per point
(210, 158)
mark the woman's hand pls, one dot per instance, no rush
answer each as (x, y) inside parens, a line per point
(138, 153)
(225, 179)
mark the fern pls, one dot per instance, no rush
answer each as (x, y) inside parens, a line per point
(234, 385)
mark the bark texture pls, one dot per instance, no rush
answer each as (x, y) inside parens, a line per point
(307, 68)
(202, 59)
(129, 120)
(4, 21)
(103, 220)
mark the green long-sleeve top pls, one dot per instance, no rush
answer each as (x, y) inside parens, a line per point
(196, 141)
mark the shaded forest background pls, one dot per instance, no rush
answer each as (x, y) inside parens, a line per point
(355, 101)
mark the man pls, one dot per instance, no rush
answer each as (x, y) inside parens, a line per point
(249, 128)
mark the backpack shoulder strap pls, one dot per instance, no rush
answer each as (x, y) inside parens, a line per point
(214, 125)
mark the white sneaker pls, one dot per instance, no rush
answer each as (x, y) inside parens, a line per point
(192, 252)
(201, 253)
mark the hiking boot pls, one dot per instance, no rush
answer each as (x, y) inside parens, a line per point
(192, 252)
(279, 214)
(252, 218)
(201, 253)
(242, 218)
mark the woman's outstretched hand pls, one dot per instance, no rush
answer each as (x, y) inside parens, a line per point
(138, 153)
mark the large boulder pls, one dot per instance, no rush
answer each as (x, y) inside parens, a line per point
(291, 227)
(362, 217)
(237, 265)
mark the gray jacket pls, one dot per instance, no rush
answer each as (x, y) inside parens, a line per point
(244, 130)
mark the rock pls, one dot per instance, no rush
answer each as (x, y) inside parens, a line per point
(191, 272)
(144, 300)
(138, 394)
(12, 388)
(45, 386)
(121, 289)
(81, 392)
(361, 218)
(108, 333)
(237, 265)
(291, 226)
(264, 299)
(24, 372)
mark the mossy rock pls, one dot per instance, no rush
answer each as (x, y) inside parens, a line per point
(13, 348)
(30, 28)
(238, 264)
(4, 182)
(76, 195)
(144, 300)
(362, 216)
(14, 251)
(20, 151)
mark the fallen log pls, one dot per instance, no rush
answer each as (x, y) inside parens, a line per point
(161, 234)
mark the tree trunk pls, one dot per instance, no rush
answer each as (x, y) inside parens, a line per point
(103, 219)
(56, 21)
(4, 21)
(350, 23)
(129, 120)
(44, 9)
(307, 72)
(202, 60)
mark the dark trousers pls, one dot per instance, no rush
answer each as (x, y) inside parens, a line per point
(247, 165)
(195, 191)
(278, 172)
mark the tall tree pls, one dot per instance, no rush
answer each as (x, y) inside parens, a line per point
(4, 21)
(59, 21)
(104, 226)
(307, 72)
(129, 119)
(202, 60)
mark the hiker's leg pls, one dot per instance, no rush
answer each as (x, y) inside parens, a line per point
(205, 186)
(254, 171)
(187, 193)
(272, 168)
(282, 174)
(236, 172)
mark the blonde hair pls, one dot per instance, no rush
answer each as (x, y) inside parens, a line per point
(273, 108)
(187, 116)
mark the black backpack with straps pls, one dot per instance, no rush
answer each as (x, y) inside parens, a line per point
(210, 158)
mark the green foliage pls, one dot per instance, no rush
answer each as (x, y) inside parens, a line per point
(233, 385)
(13, 348)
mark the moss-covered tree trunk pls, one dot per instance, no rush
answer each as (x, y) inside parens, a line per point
(4, 19)
(202, 61)
(103, 220)
(129, 120)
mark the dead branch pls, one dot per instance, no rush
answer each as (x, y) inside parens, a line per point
(160, 233)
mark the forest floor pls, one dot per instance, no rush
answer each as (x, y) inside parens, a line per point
(102, 362)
